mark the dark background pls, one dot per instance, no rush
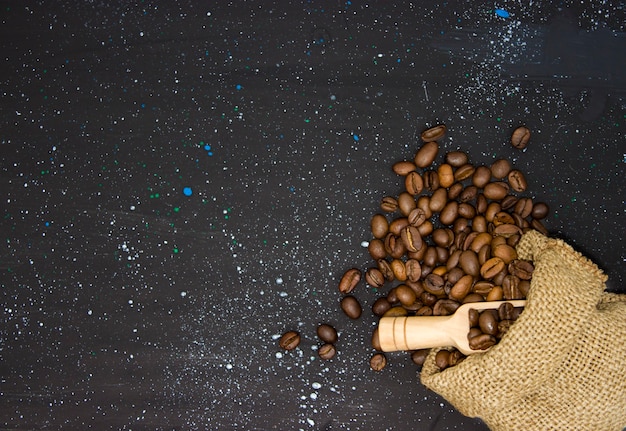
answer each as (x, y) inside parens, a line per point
(127, 304)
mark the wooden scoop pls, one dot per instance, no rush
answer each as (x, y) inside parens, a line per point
(424, 332)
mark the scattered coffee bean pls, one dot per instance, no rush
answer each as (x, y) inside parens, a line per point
(351, 307)
(520, 137)
(434, 133)
(327, 351)
(289, 340)
(327, 333)
(378, 362)
(349, 280)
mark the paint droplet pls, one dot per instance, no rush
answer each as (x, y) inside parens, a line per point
(355, 137)
(502, 13)
(187, 191)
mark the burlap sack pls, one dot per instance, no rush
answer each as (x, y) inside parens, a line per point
(561, 366)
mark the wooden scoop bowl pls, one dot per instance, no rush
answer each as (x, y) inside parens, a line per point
(424, 332)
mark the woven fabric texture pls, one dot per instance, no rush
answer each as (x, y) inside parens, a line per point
(561, 366)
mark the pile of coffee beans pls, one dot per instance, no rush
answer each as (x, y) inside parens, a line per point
(447, 239)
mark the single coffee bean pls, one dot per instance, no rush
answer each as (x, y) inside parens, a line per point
(403, 168)
(389, 204)
(327, 333)
(456, 158)
(482, 342)
(509, 202)
(434, 133)
(492, 209)
(488, 322)
(466, 210)
(443, 237)
(375, 278)
(419, 356)
(496, 190)
(289, 340)
(523, 207)
(479, 224)
(520, 137)
(413, 269)
(449, 212)
(433, 284)
(445, 307)
(504, 252)
(423, 203)
(469, 263)
(442, 359)
(524, 287)
(505, 311)
(351, 307)
(397, 224)
(469, 193)
(416, 217)
(412, 238)
(379, 226)
(481, 176)
(406, 203)
(378, 362)
(503, 327)
(503, 217)
(480, 239)
(521, 268)
(426, 154)
(464, 172)
(500, 168)
(396, 311)
(492, 267)
(385, 268)
(349, 280)
(455, 190)
(413, 183)
(540, 210)
(380, 306)
(438, 200)
(517, 180)
(506, 230)
(398, 269)
(424, 310)
(461, 288)
(483, 287)
(538, 226)
(475, 330)
(495, 294)
(327, 351)
(510, 287)
(473, 297)
(481, 203)
(376, 249)
(446, 176)
(473, 315)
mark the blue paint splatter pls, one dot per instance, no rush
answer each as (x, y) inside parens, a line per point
(502, 13)
(187, 191)
(355, 137)
(238, 86)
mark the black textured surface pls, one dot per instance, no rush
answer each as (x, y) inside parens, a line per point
(127, 304)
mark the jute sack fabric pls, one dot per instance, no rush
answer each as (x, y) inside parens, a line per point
(561, 366)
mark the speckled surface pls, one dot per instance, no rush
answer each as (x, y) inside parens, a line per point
(182, 182)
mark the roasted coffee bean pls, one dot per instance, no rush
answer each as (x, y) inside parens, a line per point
(521, 268)
(506, 311)
(434, 133)
(466, 210)
(433, 284)
(510, 287)
(469, 193)
(524, 207)
(445, 307)
(483, 287)
(456, 158)
(376, 249)
(461, 288)
(469, 263)
(327, 351)
(375, 278)
(506, 230)
(385, 268)
(438, 200)
(524, 287)
(481, 176)
(389, 204)
(442, 359)
(455, 191)
(351, 307)
(378, 362)
(414, 183)
(517, 180)
(349, 280)
(428, 298)
(509, 202)
(482, 342)
(492, 267)
(540, 210)
(426, 154)
(397, 225)
(495, 294)
(473, 315)
(416, 217)
(446, 176)
(380, 306)
(405, 294)
(412, 238)
(419, 356)
(520, 137)
(469, 239)
(449, 212)
(481, 203)
(398, 269)
(425, 229)
(406, 203)
(423, 203)
(464, 172)
(473, 297)
(492, 209)
(327, 333)
(431, 180)
(496, 190)
(479, 223)
(413, 269)
(403, 168)
(504, 252)
(443, 237)
(479, 240)
(455, 358)
(500, 168)
(379, 226)
(424, 310)
(484, 254)
(503, 217)
(289, 340)
(488, 322)
(503, 327)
